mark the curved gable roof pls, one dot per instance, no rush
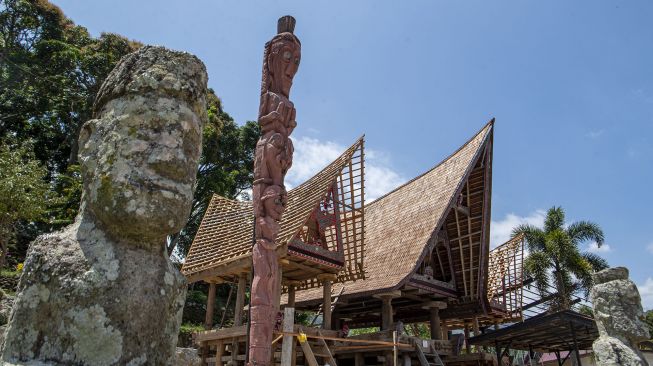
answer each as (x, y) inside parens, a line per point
(398, 225)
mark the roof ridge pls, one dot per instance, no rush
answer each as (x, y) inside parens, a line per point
(489, 124)
(342, 158)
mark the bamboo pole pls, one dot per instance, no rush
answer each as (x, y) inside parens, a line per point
(394, 348)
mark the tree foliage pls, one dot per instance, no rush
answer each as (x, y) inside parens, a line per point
(23, 191)
(555, 258)
(648, 318)
(50, 73)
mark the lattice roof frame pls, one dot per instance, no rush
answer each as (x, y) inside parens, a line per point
(506, 276)
(224, 239)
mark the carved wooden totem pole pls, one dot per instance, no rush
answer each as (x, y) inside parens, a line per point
(273, 158)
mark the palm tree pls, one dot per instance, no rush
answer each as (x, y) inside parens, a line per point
(555, 259)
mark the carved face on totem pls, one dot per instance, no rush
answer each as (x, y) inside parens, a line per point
(139, 163)
(283, 57)
(274, 201)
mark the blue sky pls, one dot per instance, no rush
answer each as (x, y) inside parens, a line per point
(570, 84)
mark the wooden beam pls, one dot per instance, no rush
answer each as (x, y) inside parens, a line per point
(462, 256)
(471, 246)
(219, 352)
(308, 353)
(447, 245)
(240, 300)
(329, 356)
(210, 306)
(291, 296)
(288, 346)
(304, 267)
(277, 289)
(326, 307)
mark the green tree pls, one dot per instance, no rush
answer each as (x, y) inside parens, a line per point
(648, 318)
(22, 192)
(50, 72)
(555, 258)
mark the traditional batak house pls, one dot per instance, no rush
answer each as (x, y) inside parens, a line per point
(418, 254)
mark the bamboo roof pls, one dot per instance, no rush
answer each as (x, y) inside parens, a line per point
(223, 243)
(400, 224)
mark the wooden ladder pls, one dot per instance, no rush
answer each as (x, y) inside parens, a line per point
(321, 350)
(424, 360)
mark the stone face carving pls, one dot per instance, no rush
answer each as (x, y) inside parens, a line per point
(618, 314)
(273, 158)
(102, 291)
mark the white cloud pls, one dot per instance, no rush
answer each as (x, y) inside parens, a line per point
(646, 291)
(594, 248)
(312, 155)
(500, 231)
(595, 134)
(650, 248)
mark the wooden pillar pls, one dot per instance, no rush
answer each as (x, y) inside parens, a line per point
(445, 331)
(240, 300)
(327, 279)
(326, 306)
(386, 313)
(477, 330)
(497, 348)
(407, 361)
(531, 356)
(434, 317)
(359, 360)
(210, 306)
(288, 345)
(577, 354)
(219, 352)
(468, 347)
(291, 295)
(386, 308)
(278, 287)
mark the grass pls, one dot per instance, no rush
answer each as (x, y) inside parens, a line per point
(190, 328)
(9, 273)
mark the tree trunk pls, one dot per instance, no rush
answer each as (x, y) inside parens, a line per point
(5, 233)
(562, 291)
(173, 240)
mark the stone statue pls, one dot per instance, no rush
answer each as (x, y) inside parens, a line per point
(618, 314)
(273, 158)
(102, 291)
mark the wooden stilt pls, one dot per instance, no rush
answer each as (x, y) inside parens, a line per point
(240, 300)
(407, 361)
(291, 296)
(395, 354)
(468, 347)
(359, 360)
(288, 347)
(326, 287)
(219, 352)
(210, 305)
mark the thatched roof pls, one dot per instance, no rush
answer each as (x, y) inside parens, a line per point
(400, 225)
(222, 245)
